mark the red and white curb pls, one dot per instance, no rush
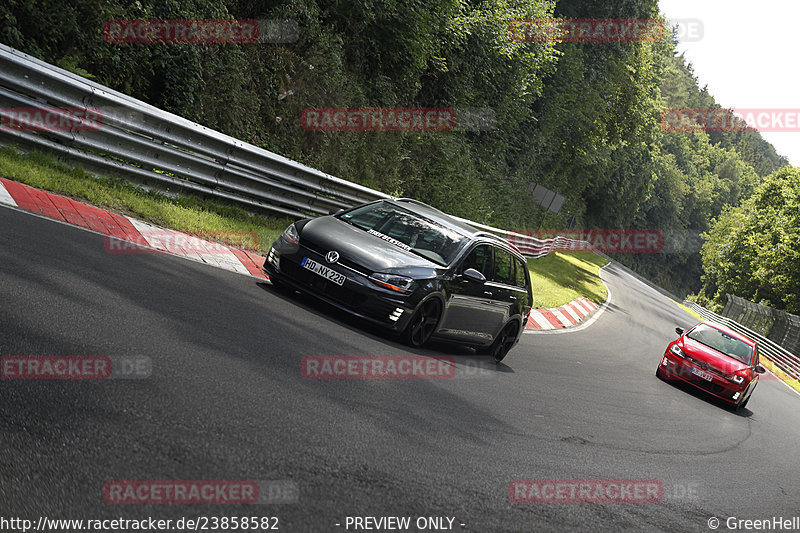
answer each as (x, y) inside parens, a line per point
(561, 317)
(548, 321)
(128, 229)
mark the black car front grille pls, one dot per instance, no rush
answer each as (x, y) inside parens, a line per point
(322, 286)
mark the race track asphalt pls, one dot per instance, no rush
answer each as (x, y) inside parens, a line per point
(226, 401)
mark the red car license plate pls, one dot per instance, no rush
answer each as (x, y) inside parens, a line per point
(705, 375)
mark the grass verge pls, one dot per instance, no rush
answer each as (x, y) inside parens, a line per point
(189, 214)
(693, 313)
(559, 278)
(769, 365)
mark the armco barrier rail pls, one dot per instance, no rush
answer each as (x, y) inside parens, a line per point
(783, 359)
(778, 326)
(156, 149)
(151, 146)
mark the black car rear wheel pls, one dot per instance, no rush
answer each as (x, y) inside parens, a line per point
(423, 323)
(503, 343)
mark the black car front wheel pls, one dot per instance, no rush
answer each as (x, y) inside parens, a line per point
(423, 323)
(503, 343)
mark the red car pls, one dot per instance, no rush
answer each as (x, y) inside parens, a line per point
(716, 359)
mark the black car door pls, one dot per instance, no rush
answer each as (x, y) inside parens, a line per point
(501, 287)
(471, 313)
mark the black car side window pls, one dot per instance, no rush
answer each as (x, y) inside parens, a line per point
(520, 273)
(503, 267)
(480, 259)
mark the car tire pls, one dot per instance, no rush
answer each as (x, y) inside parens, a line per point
(503, 343)
(660, 373)
(743, 403)
(423, 323)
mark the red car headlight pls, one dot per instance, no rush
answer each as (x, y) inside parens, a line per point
(677, 350)
(736, 378)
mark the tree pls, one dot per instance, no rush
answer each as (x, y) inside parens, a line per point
(753, 250)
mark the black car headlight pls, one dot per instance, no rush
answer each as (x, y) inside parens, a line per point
(393, 281)
(291, 234)
(677, 350)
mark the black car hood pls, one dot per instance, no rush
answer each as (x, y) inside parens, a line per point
(365, 250)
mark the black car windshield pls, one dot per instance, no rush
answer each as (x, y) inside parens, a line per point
(408, 230)
(722, 342)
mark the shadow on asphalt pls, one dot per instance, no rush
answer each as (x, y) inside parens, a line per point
(708, 398)
(467, 355)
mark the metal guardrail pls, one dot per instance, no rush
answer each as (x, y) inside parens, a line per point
(156, 148)
(778, 326)
(160, 150)
(788, 362)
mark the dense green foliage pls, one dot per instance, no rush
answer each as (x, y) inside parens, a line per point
(753, 250)
(579, 118)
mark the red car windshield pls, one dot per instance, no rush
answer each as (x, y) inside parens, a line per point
(722, 342)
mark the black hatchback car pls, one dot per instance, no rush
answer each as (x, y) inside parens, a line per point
(409, 267)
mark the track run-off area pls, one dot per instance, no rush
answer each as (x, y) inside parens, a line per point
(225, 399)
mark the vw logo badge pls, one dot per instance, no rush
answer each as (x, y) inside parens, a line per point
(332, 256)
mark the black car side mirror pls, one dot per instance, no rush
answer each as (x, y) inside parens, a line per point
(760, 369)
(679, 331)
(473, 275)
